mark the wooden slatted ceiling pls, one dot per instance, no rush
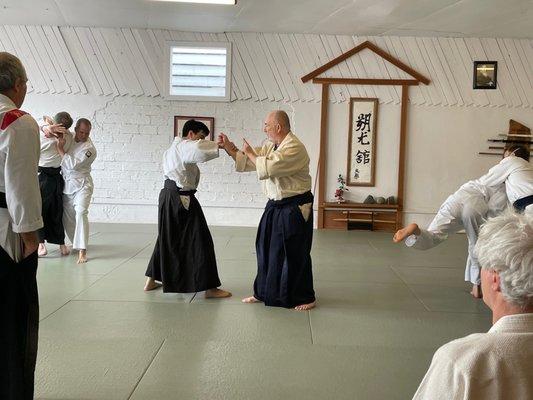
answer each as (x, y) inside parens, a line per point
(268, 67)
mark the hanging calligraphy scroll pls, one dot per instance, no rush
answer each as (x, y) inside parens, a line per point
(362, 141)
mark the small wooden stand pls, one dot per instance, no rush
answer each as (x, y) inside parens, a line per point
(375, 217)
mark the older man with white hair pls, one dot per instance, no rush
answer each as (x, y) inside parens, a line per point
(498, 364)
(20, 218)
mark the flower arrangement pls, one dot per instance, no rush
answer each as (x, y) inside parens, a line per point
(341, 189)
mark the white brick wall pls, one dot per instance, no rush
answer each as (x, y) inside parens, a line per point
(131, 134)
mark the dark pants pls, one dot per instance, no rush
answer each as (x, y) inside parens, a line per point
(283, 244)
(51, 183)
(19, 316)
(184, 254)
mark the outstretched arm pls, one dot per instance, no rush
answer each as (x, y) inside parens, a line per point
(227, 145)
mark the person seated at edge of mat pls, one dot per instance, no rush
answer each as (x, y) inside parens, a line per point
(497, 365)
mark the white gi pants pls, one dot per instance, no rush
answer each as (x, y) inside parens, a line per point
(455, 214)
(75, 216)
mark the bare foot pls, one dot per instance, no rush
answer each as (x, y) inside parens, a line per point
(406, 232)
(41, 251)
(82, 257)
(151, 284)
(251, 299)
(476, 292)
(305, 307)
(216, 294)
(64, 250)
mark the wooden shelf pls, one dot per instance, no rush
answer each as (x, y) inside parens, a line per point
(347, 216)
(350, 206)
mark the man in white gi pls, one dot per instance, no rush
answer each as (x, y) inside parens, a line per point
(51, 181)
(466, 209)
(76, 170)
(516, 172)
(20, 218)
(285, 234)
(497, 365)
(183, 259)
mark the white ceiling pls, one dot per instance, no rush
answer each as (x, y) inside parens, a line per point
(476, 18)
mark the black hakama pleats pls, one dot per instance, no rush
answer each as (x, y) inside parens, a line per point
(283, 244)
(184, 254)
(19, 316)
(51, 183)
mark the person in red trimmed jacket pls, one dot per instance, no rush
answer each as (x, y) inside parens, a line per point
(20, 218)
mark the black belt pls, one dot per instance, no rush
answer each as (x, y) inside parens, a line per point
(299, 199)
(3, 202)
(521, 204)
(170, 184)
(50, 170)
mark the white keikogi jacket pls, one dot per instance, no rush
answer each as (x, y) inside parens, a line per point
(282, 170)
(497, 365)
(179, 161)
(76, 166)
(50, 157)
(517, 174)
(19, 157)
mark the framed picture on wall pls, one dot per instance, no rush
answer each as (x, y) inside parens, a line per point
(362, 138)
(485, 74)
(179, 121)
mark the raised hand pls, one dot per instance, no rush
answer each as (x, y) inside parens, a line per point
(54, 130)
(58, 129)
(226, 144)
(246, 148)
(249, 151)
(222, 139)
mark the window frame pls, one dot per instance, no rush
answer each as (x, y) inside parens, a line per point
(168, 70)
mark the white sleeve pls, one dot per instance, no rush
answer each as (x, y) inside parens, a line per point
(243, 163)
(198, 151)
(426, 240)
(497, 174)
(80, 160)
(23, 196)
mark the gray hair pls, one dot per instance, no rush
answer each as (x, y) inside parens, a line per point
(64, 119)
(11, 69)
(283, 119)
(505, 245)
(84, 121)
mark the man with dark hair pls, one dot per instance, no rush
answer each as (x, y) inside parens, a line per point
(183, 259)
(51, 181)
(516, 172)
(20, 218)
(76, 169)
(285, 234)
(518, 150)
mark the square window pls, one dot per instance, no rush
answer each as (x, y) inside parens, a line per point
(199, 71)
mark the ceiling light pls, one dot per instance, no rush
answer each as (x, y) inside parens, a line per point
(226, 2)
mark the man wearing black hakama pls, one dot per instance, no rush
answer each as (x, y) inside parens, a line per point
(20, 218)
(284, 237)
(51, 182)
(183, 259)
